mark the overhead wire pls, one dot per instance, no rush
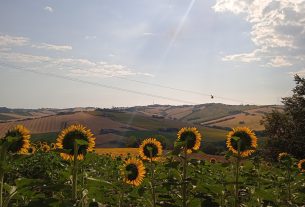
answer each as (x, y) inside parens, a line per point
(138, 92)
(97, 84)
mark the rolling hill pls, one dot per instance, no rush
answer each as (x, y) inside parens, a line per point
(117, 127)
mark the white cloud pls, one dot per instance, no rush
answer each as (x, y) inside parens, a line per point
(7, 40)
(49, 9)
(278, 29)
(21, 58)
(52, 47)
(244, 57)
(279, 61)
(148, 34)
(90, 37)
(68, 66)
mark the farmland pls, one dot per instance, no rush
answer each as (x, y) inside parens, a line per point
(210, 179)
(111, 128)
(43, 179)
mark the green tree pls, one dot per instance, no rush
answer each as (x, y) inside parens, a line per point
(286, 129)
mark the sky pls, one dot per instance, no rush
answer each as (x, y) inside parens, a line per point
(106, 53)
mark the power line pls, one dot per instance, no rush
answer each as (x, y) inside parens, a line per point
(146, 83)
(183, 90)
(96, 84)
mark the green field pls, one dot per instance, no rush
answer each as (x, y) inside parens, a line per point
(49, 137)
(152, 125)
(216, 111)
(4, 117)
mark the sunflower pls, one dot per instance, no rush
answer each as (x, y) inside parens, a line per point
(213, 160)
(32, 149)
(301, 165)
(133, 171)
(192, 137)
(22, 142)
(38, 145)
(247, 139)
(53, 146)
(283, 156)
(67, 138)
(45, 148)
(154, 145)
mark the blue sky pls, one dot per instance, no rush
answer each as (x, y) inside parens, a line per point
(107, 53)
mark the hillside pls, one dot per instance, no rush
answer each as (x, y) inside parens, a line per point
(211, 115)
(121, 127)
(112, 129)
(250, 118)
(7, 114)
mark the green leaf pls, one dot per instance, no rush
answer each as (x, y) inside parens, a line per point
(81, 142)
(235, 139)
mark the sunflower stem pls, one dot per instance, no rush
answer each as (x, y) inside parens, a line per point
(152, 168)
(1, 187)
(237, 176)
(3, 152)
(74, 174)
(289, 180)
(184, 175)
(120, 198)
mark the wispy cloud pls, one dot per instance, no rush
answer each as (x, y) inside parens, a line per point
(90, 37)
(279, 61)
(148, 34)
(278, 30)
(52, 47)
(49, 9)
(7, 40)
(243, 57)
(69, 66)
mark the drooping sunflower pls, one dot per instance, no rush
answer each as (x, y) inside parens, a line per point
(150, 144)
(67, 138)
(133, 171)
(248, 141)
(283, 156)
(192, 137)
(22, 136)
(301, 165)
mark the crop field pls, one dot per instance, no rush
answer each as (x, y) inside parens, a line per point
(50, 175)
(250, 118)
(123, 152)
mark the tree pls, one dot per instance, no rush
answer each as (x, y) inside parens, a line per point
(286, 129)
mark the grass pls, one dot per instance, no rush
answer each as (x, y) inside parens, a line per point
(208, 134)
(216, 111)
(135, 119)
(5, 117)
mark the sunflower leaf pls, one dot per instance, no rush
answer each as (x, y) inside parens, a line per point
(81, 142)
(67, 151)
(11, 139)
(235, 139)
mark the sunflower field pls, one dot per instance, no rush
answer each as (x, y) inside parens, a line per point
(70, 173)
